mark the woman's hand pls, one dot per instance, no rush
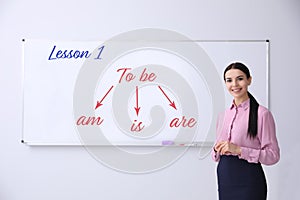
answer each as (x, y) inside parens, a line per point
(225, 147)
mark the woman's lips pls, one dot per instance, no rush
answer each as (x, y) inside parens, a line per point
(236, 90)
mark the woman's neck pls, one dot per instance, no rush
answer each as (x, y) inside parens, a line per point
(238, 101)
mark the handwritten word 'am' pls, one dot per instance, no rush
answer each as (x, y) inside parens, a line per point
(84, 121)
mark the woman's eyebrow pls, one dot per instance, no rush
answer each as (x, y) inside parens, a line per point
(239, 76)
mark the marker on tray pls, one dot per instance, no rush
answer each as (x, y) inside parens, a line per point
(167, 142)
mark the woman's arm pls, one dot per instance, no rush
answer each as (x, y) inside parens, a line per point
(269, 152)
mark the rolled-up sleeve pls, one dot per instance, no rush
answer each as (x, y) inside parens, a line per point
(215, 155)
(219, 125)
(269, 152)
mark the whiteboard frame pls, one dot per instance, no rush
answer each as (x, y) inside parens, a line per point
(195, 144)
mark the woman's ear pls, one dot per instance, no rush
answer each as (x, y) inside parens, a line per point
(249, 80)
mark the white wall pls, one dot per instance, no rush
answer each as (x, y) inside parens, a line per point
(70, 172)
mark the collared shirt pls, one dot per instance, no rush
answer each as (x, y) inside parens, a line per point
(232, 126)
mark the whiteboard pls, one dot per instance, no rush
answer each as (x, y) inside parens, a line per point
(132, 92)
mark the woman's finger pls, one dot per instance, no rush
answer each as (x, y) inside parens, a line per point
(223, 148)
(219, 145)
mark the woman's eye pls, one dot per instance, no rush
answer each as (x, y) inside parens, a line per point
(240, 78)
(228, 80)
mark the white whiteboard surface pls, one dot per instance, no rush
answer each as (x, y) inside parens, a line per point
(49, 85)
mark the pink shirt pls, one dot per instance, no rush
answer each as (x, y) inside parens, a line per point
(232, 126)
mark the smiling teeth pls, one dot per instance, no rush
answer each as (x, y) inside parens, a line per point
(236, 90)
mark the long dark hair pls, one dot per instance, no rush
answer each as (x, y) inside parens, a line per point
(252, 124)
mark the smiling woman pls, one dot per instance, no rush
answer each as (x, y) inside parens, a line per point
(246, 138)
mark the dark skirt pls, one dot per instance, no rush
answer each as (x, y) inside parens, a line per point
(240, 180)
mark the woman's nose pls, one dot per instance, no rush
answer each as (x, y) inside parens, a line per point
(234, 83)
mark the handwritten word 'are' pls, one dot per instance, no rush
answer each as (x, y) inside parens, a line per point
(144, 76)
(183, 122)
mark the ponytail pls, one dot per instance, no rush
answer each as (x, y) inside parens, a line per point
(252, 124)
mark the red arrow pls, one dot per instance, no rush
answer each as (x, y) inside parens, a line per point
(171, 102)
(99, 103)
(137, 108)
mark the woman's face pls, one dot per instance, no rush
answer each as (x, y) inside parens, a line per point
(237, 84)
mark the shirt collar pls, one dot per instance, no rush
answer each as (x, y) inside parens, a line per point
(244, 104)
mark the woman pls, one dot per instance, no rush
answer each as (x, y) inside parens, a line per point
(246, 139)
